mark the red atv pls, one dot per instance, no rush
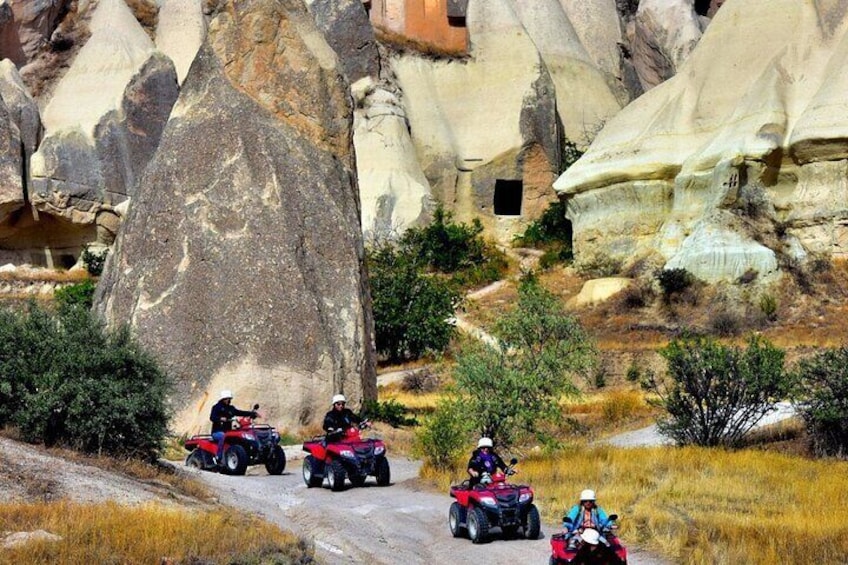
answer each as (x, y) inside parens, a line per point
(601, 547)
(245, 444)
(493, 503)
(344, 453)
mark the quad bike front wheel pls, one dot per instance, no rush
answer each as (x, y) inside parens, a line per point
(336, 475)
(357, 480)
(478, 525)
(276, 463)
(384, 473)
(235, 460)
(533, 525)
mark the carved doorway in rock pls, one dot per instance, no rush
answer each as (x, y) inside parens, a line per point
(508, 198)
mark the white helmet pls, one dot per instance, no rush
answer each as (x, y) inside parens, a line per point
(339, 398)
(590, 536)
(225, 394)
(484, 442)
(587, 494)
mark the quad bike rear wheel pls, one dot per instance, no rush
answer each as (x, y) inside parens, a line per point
(276, 463)
(235, 460)
(455, 520)
(336, 475)
(384, 473)
(196, 459)
(478, 525)
(310, 477)
(357, 480)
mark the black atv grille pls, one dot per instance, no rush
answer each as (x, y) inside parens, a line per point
(365, 451)
(507, 499)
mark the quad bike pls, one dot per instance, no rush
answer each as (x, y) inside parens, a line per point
(493, 503)
(345, 453)
(608, 550)
(245, 444)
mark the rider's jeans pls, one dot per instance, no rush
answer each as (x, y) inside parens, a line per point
(219, 437)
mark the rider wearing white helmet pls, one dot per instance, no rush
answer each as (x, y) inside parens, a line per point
(339, 418)
(222, 413)
(484, 460)
(585, 516)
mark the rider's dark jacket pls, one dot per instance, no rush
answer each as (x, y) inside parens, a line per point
(482, 464)
(343, 419)
(222, 413)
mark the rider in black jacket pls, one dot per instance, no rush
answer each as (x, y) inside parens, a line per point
(484, 460)
(339, 417)
(221, 414)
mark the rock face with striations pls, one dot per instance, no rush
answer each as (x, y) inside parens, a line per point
(240, 263)
(738, 163)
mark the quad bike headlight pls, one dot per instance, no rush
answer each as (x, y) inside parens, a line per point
(488, 501)
(347, 453)
(379, 450)
(524, 497)
(249, 437)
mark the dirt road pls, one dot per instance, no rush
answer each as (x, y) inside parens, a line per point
(400, 523)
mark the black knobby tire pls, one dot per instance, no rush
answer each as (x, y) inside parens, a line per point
(533, 525)
(455, 520)
(235, 460)
(478, 525)
(276, 463)
(553, 561)
(384, 473)
(336, 475)
(195, 459)
(357, 480)
(310, 477)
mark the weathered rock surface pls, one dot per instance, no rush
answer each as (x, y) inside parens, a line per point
(738, 159)
(347, 29)
(240, 263)
(104, 120)
(180, 32)
(26, 25)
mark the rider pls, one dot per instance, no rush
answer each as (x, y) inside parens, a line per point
(583, 516)
(339, 417)
(484, 460)
(222, 412)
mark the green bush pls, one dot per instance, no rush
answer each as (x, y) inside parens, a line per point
(412, 310)
(514, 389)
(445, 434)
(768, 306)
(715, 394)
(391, 412)
(598, 265)
(823, 387)
(674, 281)
(444, 245)
(93, 261)
(65, 380)
(79, 294)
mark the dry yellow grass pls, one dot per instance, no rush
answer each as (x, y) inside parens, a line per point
(109, 533)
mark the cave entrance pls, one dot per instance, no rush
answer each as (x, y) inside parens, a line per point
(702, 7)
(508, 197)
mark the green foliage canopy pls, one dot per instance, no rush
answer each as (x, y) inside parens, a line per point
(823, 388)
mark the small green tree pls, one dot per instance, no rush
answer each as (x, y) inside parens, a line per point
(445, 245)
(511, 389)
(412, 310)
(715, 394)
(823, 388)
(79, 294)
(444, 434)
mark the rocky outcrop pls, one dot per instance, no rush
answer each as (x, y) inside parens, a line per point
(180, 32)
(345, 25)
(240, 264)
(739, 161)
(26, 26)
(104, 119)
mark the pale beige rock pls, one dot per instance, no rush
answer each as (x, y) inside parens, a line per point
(663, 34)
(717, 134)
(180, 32)
(597, 25)
(595, 291)
(18, 539)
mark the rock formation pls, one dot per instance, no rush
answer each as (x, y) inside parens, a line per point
(240, 263)
(736, 164)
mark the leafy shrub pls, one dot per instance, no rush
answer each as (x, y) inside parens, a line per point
(444, 435)
(412, 310)
(598, 265)
(570, 154)
(551, 227)
(715, 394)
(93, 261)
(79, 385)
(673, 281)
(725, 323)
(514, 389)
(823, 385)
(420, 380)
(445, 245)
(391, 412)
(768, 306)
(636, 295)
(634, 373)
(79, 294)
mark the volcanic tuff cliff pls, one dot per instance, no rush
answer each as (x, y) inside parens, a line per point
(242, 113)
